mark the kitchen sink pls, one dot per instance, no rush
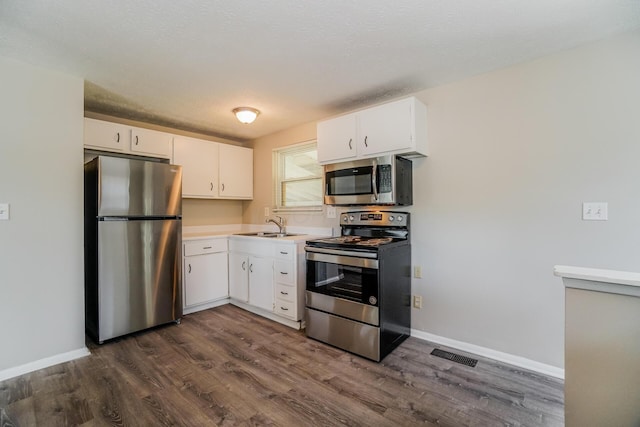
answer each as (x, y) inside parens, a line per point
(266, 234)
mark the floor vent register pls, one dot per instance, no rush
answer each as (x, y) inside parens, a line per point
(455, 357)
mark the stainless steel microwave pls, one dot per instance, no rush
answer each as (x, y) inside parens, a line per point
(385, 180)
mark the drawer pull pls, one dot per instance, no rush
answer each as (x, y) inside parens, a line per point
(284, 253)
(284, 308)
(284, 293)
(136, 139)
(207, 247)
(283, 272)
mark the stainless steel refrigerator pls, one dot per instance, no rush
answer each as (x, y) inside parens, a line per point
(133, 233)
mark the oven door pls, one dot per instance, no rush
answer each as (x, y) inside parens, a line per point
(350, 278)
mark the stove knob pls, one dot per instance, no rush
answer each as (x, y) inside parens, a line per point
(351, 218)
(391, 218)
(345, 218)
(399, 218)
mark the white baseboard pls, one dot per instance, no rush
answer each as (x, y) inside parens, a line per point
(511, 359)
(43, 363)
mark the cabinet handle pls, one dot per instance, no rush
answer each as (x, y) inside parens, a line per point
(365, 142)
(223, 186)
(244, 265)
(189, 268)
(207, 247)
(212, 186)
(118, 137)
(137, 140)
(284, 308)
(251, 268)
(284, 293)
(284, 253)
(350, 147)
(283, 272)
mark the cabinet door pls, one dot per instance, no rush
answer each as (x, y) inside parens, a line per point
(105, 135)
(261, 282)
(205, 278)
(337, 139)
(199, 160)
(151, 143)
(385, 128)
(236, 172)
(239, 276)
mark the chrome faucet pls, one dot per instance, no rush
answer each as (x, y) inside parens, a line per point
(279, 223)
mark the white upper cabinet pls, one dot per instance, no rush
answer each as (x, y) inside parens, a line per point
(235, 172)
(337, 138)
(199, 160)
(151, 142)
(106, 136)
(398, 127)
(115, 137)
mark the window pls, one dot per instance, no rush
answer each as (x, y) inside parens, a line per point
(297, 177)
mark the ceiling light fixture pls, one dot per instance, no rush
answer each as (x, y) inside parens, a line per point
(246, 114)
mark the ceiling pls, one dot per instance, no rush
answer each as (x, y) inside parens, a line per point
(186, 64)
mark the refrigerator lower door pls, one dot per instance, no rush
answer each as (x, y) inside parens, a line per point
(139, 275)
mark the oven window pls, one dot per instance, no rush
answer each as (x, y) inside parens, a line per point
(343, 281)
(347, 182)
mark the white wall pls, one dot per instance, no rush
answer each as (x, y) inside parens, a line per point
(41, 246)
(513, 154)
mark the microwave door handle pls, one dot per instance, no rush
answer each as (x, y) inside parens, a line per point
(374, 180)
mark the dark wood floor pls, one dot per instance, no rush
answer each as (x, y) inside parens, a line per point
(226, 366)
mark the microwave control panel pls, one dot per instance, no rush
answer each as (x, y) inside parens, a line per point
(384, 179)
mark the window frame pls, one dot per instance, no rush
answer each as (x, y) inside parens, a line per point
(277, 172)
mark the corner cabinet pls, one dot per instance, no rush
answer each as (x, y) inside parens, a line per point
(205, 274)
(398, 127)
(211, 170)
(118, 138)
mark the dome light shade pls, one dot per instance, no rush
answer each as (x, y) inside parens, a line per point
(246, 114)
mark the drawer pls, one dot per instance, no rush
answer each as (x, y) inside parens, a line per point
(285, 293)
(284, 251)
(200, 247)
(284, 272)
(286, 309)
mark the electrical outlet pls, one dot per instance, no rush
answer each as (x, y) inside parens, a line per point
(417, 301)
(266, 211)
(417, 272)
(331, 212)
(4, 211)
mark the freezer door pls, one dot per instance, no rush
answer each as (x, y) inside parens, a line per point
(139, 275)
(129, 187)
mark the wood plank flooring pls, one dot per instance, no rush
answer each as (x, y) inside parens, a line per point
(227, 367)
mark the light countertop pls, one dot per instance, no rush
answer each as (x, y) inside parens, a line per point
(594, 279)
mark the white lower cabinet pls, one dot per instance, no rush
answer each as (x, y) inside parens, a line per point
(239, 276)
(205, 273)
(261, 282)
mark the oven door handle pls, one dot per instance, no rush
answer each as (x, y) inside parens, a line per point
(332, 256)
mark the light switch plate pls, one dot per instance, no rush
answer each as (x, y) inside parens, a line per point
(4, 211)
(595, 211)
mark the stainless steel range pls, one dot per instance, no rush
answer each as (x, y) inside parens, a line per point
(359, 284)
